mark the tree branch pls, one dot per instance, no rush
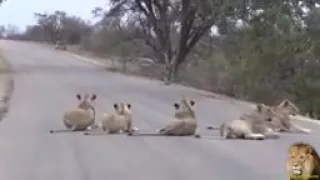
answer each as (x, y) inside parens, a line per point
(187, 18)
(165, 25)
(149, 13)
(149, 40)
(199, 32)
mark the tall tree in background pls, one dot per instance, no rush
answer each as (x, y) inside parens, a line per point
(171, 28)
(60, 26)
(49, 23)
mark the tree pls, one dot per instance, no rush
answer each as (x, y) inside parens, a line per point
(74, 28)
(282, 39)
(60, 26)
(49, 23)
(160, 21)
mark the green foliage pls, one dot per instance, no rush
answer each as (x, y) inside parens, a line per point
(58, 26)
(273, 56)
(270, 63)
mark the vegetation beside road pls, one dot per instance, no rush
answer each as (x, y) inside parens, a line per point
(264, 50)
(6, 85)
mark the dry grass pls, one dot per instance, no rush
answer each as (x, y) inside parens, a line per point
(189, 76)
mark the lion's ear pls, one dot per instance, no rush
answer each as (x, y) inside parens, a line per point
(93, 97)
(78, 96)
(286, 103)
(260, 107)
(115, 106)
(176, 105)
(309, 150)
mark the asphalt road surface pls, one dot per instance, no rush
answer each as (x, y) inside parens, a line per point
(46, 82)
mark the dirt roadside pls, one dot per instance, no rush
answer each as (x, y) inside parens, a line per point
(93, 58)
(6, 85)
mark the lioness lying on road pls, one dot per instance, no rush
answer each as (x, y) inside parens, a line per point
(252, 126)
(285, 123)
(281, 121)
(184, 122)
(81, 117)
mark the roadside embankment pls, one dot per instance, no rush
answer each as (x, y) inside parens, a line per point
(6, 85)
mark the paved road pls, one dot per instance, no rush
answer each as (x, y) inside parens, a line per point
(45, 85)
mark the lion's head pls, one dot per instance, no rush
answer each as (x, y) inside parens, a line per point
(288, 107)
(301, 160)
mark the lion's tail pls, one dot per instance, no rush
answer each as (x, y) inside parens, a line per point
(94, 126)
(224, 129)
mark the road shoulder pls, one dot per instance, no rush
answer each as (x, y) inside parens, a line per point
(6, 85)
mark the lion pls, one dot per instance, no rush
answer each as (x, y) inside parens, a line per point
(281, 118)
(288, 107)
(184, 122)
(303, 162)
(252, 126)
(283, 111)
(82, 116)
(117, 123)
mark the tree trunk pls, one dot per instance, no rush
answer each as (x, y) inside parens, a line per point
(170, 73)
(170, 69)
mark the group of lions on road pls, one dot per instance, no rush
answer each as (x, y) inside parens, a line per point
(264, 122)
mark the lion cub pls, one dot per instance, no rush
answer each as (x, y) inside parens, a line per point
(82, 116)
(252, 126)
(303, 162)
(118, 122)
